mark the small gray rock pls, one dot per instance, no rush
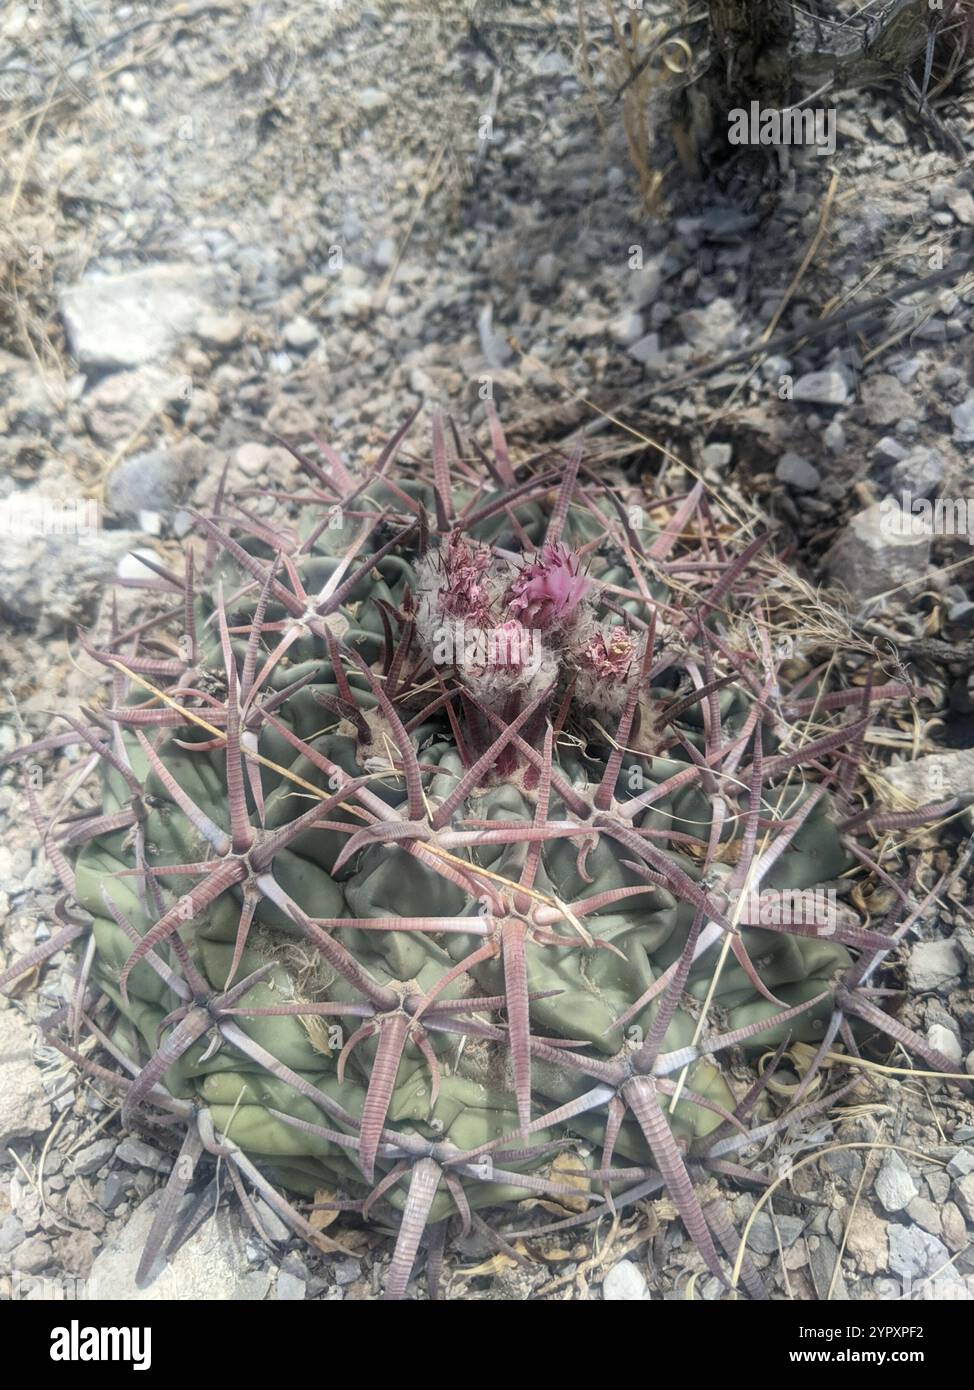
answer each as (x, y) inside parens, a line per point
(717, 455)
(920, 472)
(710, 327)
(762, 1236)
(136, 316)
(94, 1156)
(934, 966)
(221, 331)
(207, 1268)
(798, 473)
(885, 400)
(894, 1185)
(292, 1281)
(156, 481)
(23, 1107)
(775, 367)
(547, 271)
(914, 1252)
(963, 420)
(882, 547)
(834, 437)
(627, 329)
(641, 287)
(907, 371)
(727, 224)
(115, 1188)
(301, 334)
(822, 388)
(927, 779)
(961, 203)
(118, 405)
(946, 1041)
(947, 377)
(962, 1164)
(926, 1215)
(938, 1184)
(32, 1256)
(270, 1221)
(12, 1234)
(963, 1195)
(647, 351)
(625, 1283)
(135, 1154)
(384, 253)
(890, 450)
(346, 1272)
(962, 613)
(372, 102)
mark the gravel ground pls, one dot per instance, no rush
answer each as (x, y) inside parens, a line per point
(229, 221)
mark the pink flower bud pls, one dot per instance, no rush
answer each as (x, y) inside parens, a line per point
(549, 588)
(610, 654)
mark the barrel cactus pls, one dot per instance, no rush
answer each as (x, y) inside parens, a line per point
(444, 826)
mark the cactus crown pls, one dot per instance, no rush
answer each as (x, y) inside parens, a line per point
(453, 833)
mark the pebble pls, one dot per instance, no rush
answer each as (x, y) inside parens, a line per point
(118, 405)
(947, 377)
(822, 388)
(647, 351)
(346, 1272)
(207, 1267)
(907, 371)
(372, 102)
(775, 367)
(625, 1283)
(301, 334)
(798, 473)
(12, 1234)
(92, 1157)
(136, 1154)
(292, 1281)
(642, 286)
(834, 437)
(963, 420)
(252, 458)
(963, 1194)
(23, 1108)
(136, 316)
(961, 1164)
(220, 331)
(33, 1255)
(961, 204)
(717, 455)
(945, 1041)
(914, 1252)
(882, 547)
(130, 566)
(885, 400)
(762, 1236)
(114, 1190)
(926, 1215)
(920, 472)
(934, 965)
(547, 271)
(890, 450)
(155, 481)
(627, 329)
(894, 1184)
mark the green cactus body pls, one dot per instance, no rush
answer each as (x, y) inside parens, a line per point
(481, 719)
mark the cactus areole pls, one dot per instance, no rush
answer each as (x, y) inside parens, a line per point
(455, 832)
